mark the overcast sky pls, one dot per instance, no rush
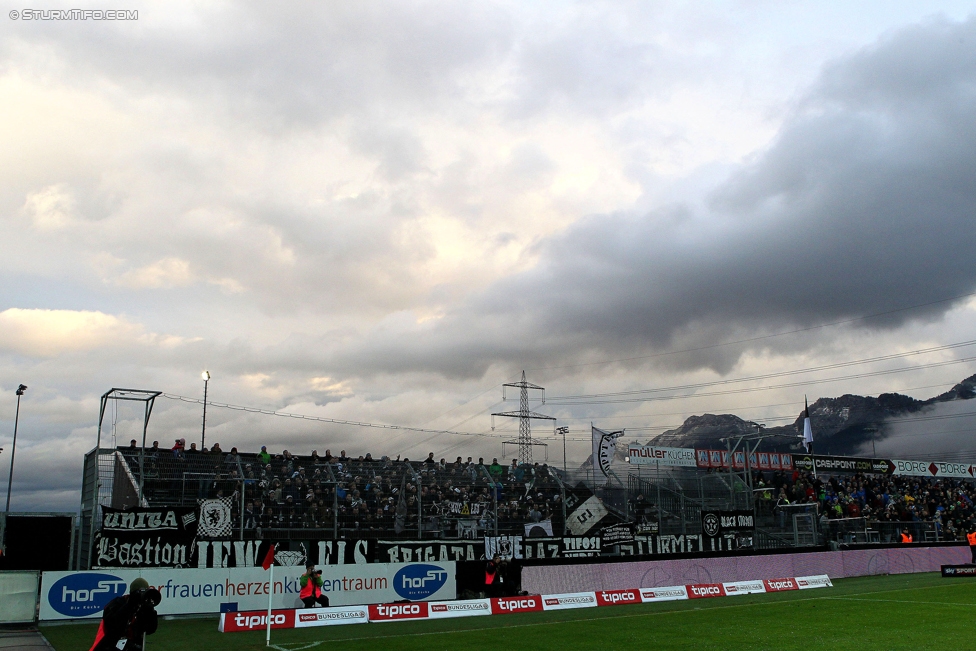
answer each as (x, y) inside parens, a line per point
(383, 211)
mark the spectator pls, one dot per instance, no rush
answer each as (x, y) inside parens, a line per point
(495, 469)
(263, 456)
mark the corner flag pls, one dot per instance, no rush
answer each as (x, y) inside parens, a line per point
(269, 557)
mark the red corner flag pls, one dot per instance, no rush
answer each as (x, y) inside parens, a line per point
(268, 558)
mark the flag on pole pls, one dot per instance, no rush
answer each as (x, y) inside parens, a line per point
(604, 445)
(807, 428)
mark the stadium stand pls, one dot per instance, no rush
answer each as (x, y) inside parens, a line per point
(353, 497)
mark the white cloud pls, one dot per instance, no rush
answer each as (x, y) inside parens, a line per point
(47, 333)
(168, 272)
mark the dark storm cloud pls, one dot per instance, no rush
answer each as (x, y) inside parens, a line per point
(865, 202)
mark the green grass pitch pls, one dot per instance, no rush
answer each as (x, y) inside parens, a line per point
(918, 611)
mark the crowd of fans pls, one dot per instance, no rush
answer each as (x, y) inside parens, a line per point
(362, 497)
(355, 497)
(948, 504)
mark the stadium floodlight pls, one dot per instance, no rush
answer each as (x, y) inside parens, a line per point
(203, 434)
(13, 446)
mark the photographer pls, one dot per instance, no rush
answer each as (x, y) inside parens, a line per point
(129, 616)
(311, 583)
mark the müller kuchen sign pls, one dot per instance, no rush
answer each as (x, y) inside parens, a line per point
(641, 455)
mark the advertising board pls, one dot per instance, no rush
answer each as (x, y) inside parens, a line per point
(75, 595)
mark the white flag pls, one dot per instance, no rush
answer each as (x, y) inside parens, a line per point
(807, 429)
(604, 445)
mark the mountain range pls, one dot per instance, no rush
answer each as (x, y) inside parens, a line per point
(846, 425)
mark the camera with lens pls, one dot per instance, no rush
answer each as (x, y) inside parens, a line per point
(148, 595)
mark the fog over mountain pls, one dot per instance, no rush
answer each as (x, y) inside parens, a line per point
(890, 425)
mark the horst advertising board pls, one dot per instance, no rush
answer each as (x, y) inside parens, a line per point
(75, 595)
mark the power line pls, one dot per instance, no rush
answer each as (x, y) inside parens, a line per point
(812, 369)
(321, 419)
(765, 388)
(760, 338)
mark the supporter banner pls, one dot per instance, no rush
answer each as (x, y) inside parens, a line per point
(215, 517)
(343, 552)
(75, 595)
(561, 547)
(642, 455)
(463, 508)
(390, 551)
(728, 530)
(541, 529)
(504, 546)
(145, 537)
(584, 510)
(616, 534)
(811, 462)
(568, 601)
(931, 469)
(662, 544)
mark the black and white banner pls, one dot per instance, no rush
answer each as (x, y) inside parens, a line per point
(584, 510)
(604, 446)
(541, 529)
(616, 534)
(564, 547)
(728, 530)
(145, 537)
(215, 517)
(390, 551)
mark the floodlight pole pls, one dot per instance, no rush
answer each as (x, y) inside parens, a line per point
(203, 435)
(563, 431)
(13, 446)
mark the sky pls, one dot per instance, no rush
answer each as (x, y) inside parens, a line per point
(382, 212)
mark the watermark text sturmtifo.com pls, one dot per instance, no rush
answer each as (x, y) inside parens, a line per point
(74, 14)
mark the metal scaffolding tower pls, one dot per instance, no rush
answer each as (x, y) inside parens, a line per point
(525, 416)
